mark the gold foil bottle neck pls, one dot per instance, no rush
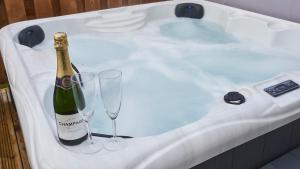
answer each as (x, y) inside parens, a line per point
(60, 40)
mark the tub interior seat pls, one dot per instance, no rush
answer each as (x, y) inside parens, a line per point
(117, 23)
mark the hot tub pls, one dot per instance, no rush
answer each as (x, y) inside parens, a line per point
(176, 73)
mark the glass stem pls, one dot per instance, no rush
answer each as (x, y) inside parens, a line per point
(89, 132)
(114, 129)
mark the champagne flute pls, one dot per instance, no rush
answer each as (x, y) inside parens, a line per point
(84, 87)
(111, 94)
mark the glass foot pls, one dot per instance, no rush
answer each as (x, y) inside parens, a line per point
(86, 147)
(115, 144)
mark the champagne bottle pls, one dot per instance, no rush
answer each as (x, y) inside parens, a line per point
(70, 125)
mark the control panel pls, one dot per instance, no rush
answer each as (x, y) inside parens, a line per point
(282, 88)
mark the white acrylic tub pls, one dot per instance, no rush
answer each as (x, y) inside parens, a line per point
(218, 130)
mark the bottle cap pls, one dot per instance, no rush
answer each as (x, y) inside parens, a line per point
(60, 40)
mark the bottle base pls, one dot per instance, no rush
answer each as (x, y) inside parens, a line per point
(73, 142)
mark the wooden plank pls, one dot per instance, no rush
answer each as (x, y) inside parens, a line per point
(91, 5)
(56, 7)
(3, 78)
(80, 6)
(68, 6)
(43, 8)
(15, 10)
(29, 9)
(103, 4)
(150, 1)
(3, 16)
(114, 3)
(134, 2)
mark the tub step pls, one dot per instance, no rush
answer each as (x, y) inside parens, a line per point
(290, 160)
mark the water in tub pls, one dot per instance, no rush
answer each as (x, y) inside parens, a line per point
(174, 71)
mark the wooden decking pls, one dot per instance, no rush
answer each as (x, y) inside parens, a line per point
(12, 148)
